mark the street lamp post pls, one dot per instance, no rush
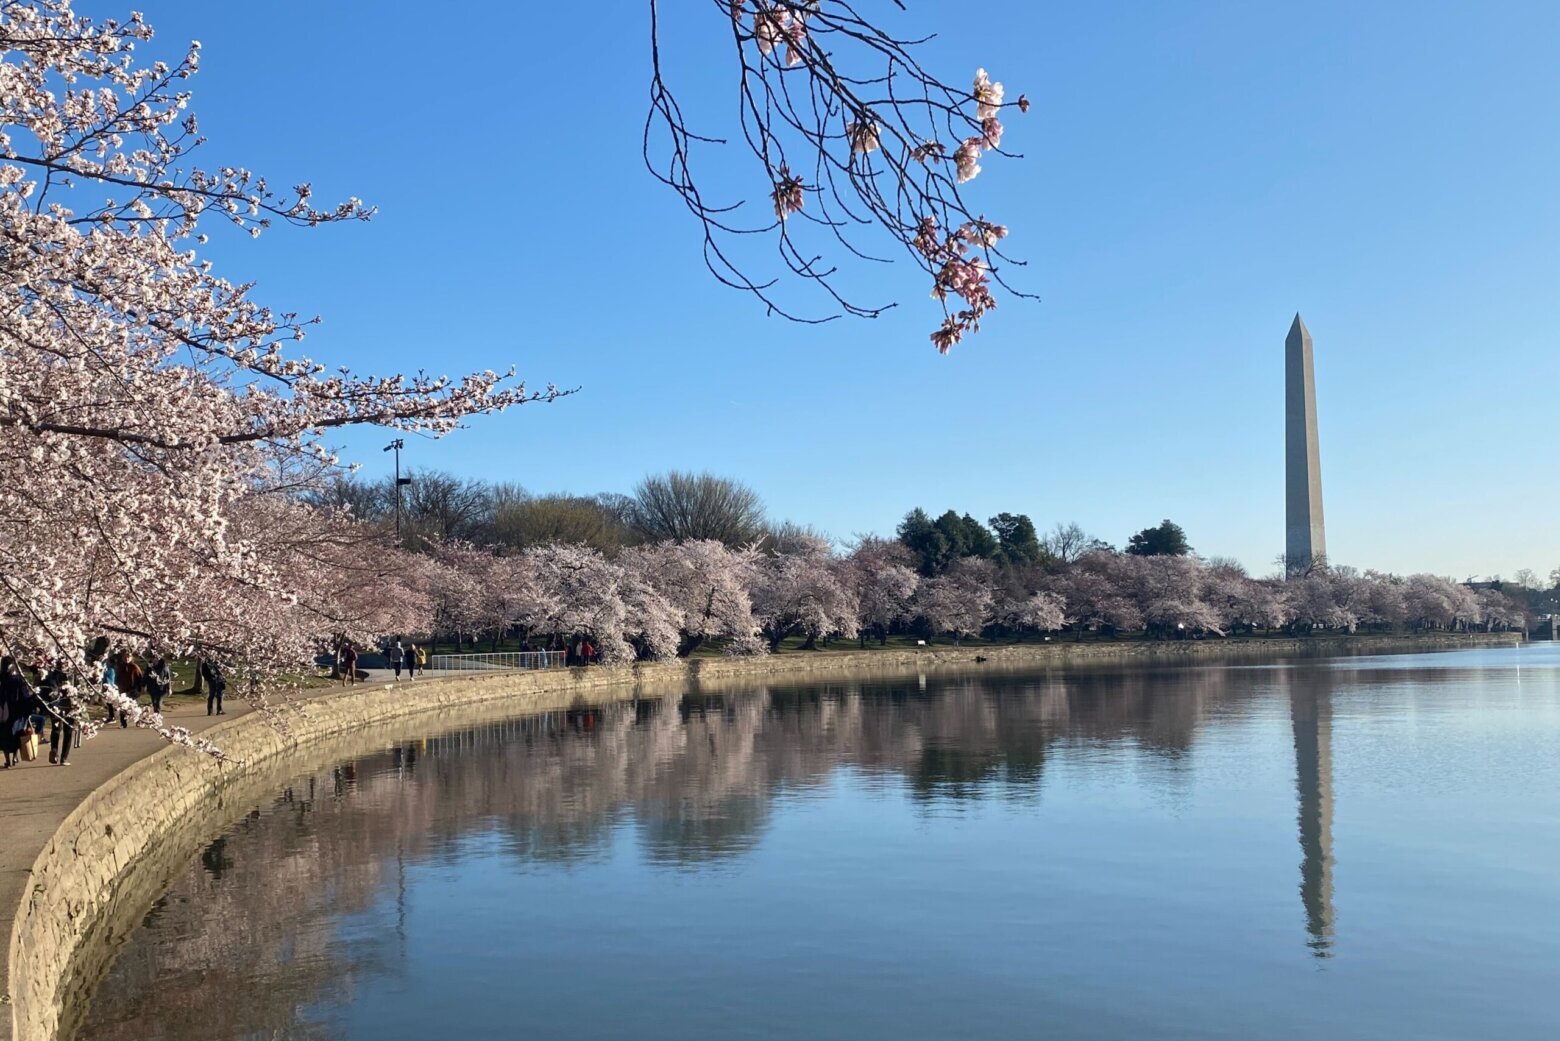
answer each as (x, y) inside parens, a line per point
(396, 447)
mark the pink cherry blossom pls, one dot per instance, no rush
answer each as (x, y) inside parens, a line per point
(988, 95)
(967, 159)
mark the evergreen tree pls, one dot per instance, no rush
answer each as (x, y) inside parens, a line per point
(1164, 540)
(1018, 541)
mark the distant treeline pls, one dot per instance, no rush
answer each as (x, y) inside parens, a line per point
(946, 576)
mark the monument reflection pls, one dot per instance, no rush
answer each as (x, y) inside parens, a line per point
(1310, 710)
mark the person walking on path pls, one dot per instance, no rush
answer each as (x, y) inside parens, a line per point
(62, 708)
(159, 682)
(129, 677)
(348, 665)
(216, 685)
(397, 657)
(110, 679)
(21, 707)
(412, 660)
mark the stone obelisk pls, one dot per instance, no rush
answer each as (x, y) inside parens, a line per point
(1305, 536)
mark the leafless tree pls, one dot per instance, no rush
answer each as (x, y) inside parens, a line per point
(791, 537)
(439, 504)
(541, 519)
(366, 500)
(1067, 542)
(686, 506)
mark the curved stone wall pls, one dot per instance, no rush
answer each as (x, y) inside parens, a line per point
(115, 853)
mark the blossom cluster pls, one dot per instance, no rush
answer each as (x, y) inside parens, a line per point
(775, 25)
(948, 255)
(959, 273)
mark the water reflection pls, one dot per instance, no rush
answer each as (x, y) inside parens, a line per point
(1310, 709)
(281, 922)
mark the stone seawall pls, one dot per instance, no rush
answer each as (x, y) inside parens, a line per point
(118, 849)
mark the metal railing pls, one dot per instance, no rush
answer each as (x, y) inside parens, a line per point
(497, 661)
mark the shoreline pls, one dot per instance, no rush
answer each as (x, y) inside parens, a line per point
(87, 856)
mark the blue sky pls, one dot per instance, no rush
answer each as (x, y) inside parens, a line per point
(1194, 174)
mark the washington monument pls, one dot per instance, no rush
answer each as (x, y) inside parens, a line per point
(1305, 535)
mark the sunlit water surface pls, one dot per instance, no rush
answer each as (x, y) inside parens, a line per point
(1350, 849)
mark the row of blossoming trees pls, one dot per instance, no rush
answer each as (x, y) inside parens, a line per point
(663, 599)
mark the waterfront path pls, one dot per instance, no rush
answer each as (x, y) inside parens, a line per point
(37, 797)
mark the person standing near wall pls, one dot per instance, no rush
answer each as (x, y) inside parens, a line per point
(348, 664)
(129, 678)
(110, 679)
(62, 708)
(216, 685)
(159, 682)
(14, 697)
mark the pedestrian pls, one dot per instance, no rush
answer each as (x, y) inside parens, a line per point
(21, 705)
(588, 651)
(397, 656)
(159, 682)
(348, 664)
(216, 685)
(29, 724)
(61, 704)
(129, 678)
(110, 679)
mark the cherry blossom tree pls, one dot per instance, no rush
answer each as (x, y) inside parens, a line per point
(576, 593)
(848, 131)
(707, 585)
(882, 574)
(1094, 590)
(960, 601)
(804, 592)
(1500, 611)
(1432, 602)
(1241, 602)
(649, 621)
(1170, 592)
(1384, 605)
(1041, 611)
(150, 399)
(464, 587)
(1322, 598)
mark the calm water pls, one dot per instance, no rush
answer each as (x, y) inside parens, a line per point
(1355, 849)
